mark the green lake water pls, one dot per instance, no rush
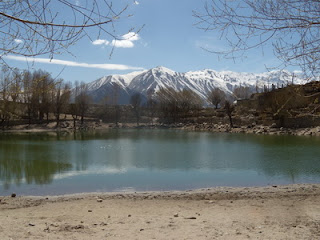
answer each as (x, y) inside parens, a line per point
(141, 160)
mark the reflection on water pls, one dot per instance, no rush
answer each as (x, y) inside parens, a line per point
(24, 161)
(152, 160)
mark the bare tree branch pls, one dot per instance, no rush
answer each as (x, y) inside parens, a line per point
(39, 27)
(292, 27)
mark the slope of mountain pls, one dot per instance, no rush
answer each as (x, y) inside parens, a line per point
(121, 87)
(111, 88)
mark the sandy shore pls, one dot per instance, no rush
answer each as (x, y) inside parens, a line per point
(278, 212)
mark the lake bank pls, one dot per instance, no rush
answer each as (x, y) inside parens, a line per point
(67, 126)
(275, 212)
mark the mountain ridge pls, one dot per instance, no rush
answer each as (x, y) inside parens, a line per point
(201, 82)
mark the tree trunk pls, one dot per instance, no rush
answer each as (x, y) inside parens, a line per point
(58, 120)
(230, 119)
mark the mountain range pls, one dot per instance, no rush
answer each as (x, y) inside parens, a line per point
(122, 87)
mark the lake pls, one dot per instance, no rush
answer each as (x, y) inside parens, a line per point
(142, 160)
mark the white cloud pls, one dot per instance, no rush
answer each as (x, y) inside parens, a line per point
(132, 36)
(122, 43)
(125, 41)
(136, 2)
(74, 64)
(100, 42)
(18, 41)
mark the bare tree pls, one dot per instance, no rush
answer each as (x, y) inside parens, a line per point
(229, 108)
(61, 98)
(291, 26)
(242, 92)
(38, 27)
(15, 86)
(174, 103)
(216, 97)
(187, 101)
(167, 99)
(135, 102)
(10, 94)
(82, 101)
(5, 82)
(151, 104)
(47, 85)
(115, 102)
(103, 112)
(73, 107)
(27, 92)
(40, 89)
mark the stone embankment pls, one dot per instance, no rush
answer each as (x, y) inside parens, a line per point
(251, 129)
(254, 129)
(208, 127)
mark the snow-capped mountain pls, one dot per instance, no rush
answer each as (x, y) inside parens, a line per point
(112, 85)
(201, 82)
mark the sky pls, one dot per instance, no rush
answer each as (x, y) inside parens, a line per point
(169, 38)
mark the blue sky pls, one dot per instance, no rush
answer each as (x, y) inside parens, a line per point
(169, 38)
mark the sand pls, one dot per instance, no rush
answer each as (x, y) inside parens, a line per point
(275, 212)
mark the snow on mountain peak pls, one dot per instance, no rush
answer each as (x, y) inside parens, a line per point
(121, 79)
(163, 70)
(201, 82)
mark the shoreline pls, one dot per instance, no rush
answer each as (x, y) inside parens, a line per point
(204, 127)
(216, 193)
(273, 212)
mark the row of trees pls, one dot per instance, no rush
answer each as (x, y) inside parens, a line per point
(173, 104)
(167, 105)
(36, 95)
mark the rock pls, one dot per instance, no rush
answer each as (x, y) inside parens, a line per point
(78, 227)
(176, 215)
(13, 195)
(99, 200)
(89, 210)
(31, 225)
(129, 215)
(191, 218)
